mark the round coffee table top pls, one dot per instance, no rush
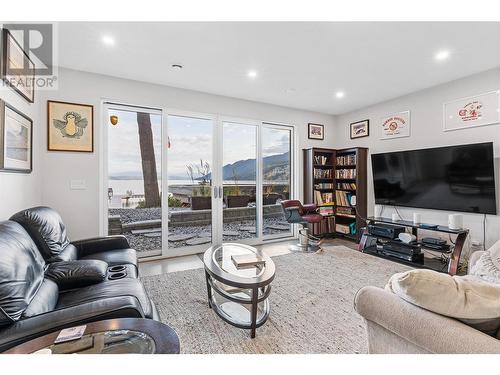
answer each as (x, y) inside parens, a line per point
(114, 336)
(219, 263)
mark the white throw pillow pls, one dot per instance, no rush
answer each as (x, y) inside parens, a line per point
(467, 298)
(487, 266)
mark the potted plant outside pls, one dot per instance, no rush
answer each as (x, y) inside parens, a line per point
(234, 197)
(199, 174)
(270, 196)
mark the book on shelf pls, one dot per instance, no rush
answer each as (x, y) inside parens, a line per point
(322, 198)
(327, 225)
(321, 159)
(346, 185)
(348, 211)
(352, 227)
(345, 173)
(322, 173)
(349, 159)
(323, 186)
(326, 210)
(346, 228)
(344, 198)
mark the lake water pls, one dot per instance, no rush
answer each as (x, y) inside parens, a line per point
(120, 187)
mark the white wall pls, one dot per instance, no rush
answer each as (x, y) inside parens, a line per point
(80, 208)
(19, 190)
(427, 131)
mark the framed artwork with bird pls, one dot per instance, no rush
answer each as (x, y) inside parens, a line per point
(70, 126)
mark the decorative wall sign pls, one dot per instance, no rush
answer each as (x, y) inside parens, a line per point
(70, 127)
(316, 131)
(17, 70)
(360, 129)
(396, 125)
(16, 140)
(473, 111)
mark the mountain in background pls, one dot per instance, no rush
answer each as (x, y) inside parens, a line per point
(276, 167)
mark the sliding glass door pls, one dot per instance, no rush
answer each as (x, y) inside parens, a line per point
(239, 170)
(176, 183)
(190, 164)
(134, 173)
(277, 158)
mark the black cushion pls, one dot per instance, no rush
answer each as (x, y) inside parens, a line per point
(21, 271)
(116, 288)
(77, 273)
(115, 257)
(46, 228)
(45, 299)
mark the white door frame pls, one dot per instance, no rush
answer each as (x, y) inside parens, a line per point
(217, 204)
(294, 182)
(175, 252)
(258, 182)
(107, 105)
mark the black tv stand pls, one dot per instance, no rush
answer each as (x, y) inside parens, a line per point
(368, 244)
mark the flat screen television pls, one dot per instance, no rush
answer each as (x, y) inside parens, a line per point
(455, 178)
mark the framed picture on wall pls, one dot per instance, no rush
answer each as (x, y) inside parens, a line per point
(360, 129)
(17, 70)
(472, 111)
(396, 125)
(70, 127)
(16, 140)
(316, 131)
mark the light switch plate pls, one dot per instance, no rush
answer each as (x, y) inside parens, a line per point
(78, 184)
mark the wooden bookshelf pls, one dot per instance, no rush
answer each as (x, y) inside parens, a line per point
(319, 171)
(346, 178)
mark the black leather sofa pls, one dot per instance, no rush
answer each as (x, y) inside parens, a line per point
(48, 283)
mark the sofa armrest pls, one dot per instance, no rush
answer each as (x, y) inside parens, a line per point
(474, 257)
(99, 244)
(39, 325)
(433, 332)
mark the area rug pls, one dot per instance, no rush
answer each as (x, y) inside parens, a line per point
(311, 306)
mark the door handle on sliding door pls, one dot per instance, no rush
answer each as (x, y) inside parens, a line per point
(221, 192)
(215, 192)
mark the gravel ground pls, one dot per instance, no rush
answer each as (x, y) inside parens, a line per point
(141, 242)
(129, 215)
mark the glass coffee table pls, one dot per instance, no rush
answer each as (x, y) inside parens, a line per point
(239, 295)
(114, 336)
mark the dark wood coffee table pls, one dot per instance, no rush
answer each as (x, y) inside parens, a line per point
(114, 336)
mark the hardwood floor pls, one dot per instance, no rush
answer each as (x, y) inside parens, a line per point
(158, 267)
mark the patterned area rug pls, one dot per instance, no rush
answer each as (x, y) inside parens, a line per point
(311, 306)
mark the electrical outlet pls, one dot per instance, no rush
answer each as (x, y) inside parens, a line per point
(78, 185)
(476, 243)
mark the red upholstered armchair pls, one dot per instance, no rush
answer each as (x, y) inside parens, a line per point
(296, 213)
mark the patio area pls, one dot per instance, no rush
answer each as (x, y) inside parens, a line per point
(142, 226)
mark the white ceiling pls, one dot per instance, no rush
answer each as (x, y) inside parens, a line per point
(299, 64)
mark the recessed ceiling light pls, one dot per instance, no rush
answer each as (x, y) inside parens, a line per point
(177, 66)
(252, 74)
(442, 55)
(108, 40)
(290, 90)
(339, 94)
